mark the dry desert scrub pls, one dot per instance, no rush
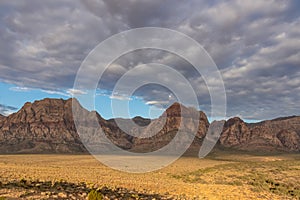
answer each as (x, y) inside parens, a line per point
(218, 177)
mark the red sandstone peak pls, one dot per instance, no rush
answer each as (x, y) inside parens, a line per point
(48, 126)
(179, 110)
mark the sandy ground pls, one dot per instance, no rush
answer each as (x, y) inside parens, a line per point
(85, 168)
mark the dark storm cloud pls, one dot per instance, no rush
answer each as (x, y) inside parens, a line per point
(45, 42)
(255, 44)
(144, 12)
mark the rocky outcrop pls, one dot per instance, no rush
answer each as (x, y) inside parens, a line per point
(177, 118)
(41, 127)
(282, 134)
(235, 133)
(47, 126)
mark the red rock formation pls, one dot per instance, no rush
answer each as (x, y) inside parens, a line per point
(281, 134)
(162, 130)
(41, 127)
(47, 126)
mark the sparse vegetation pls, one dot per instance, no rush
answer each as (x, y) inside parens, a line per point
(278, 177)
(229, 177)
(95, 195)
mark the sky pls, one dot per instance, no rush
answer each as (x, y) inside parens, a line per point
(255, 45)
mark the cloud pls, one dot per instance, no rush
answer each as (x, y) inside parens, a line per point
(55, 92)
(75, 92)
(103, 93)
(20, 89)
(120, 97)
(156, 102)
(255, 44)
(26, 89)
(7, 110)
(159, 104)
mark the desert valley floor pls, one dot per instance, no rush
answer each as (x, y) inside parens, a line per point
(219, 176)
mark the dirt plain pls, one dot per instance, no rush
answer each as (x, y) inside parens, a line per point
(219, 176)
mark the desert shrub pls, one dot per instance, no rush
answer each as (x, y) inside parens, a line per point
(95, 195)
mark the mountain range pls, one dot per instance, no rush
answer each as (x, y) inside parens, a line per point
(47, 126)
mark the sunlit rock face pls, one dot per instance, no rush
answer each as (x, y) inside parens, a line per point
(282, 134)
(47, 126)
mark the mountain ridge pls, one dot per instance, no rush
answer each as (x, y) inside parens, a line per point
(47, 126)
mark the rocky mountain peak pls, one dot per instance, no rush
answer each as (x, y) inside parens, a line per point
(174, 109)
(47, 126)
(233, 121)
(42, 126)
(179, 110)
(280, 134)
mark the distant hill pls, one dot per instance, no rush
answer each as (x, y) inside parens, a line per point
(47, 126)
(281, 134)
